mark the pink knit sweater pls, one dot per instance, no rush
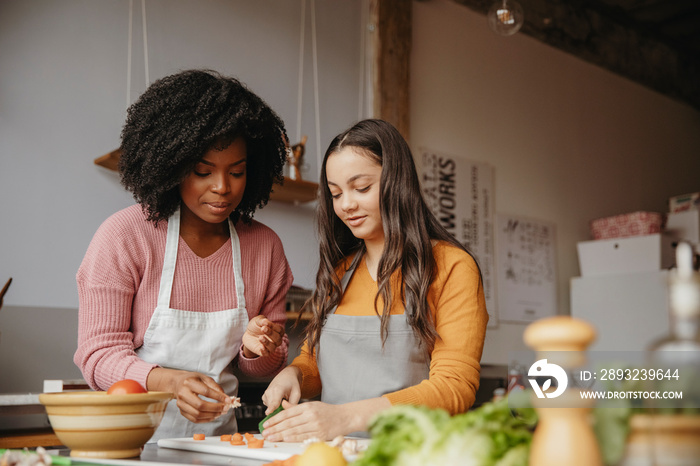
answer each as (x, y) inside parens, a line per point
(118, 284)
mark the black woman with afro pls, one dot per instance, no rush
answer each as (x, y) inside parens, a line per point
(180, 288)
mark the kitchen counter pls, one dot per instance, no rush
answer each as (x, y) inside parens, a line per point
(13, 404)
(152, 455)
(24, 423)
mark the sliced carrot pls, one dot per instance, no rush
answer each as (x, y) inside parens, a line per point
(255, 443)
(237, 442)
(198, 436)
(225, 438)
(249, 436)
(291, 461)
(237, 436)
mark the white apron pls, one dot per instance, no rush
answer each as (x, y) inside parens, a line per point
(204, 342)
(354, 366)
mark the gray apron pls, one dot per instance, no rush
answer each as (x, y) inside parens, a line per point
(354, 366)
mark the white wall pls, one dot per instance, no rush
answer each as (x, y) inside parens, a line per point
(63, 99)
(569, 141)
(63, 96)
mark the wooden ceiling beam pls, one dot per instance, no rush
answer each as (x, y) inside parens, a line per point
(392, 65)
(577, 28)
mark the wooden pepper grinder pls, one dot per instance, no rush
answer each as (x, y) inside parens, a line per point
(564, 435)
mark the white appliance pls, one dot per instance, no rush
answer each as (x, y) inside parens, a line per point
(629, 310)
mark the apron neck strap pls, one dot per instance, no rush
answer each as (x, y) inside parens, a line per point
(347, 276)
(237, 267)
(171, 244)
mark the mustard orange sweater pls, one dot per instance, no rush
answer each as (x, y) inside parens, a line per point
(456, 298)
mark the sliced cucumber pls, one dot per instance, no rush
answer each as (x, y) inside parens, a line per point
(260, 426)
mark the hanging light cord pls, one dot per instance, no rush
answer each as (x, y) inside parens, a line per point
(128, 54)
(129, 47)
(145, 41)
(316, 98)
(363, 53)
(300, 90)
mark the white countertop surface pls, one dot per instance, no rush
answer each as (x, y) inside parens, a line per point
(154, 456)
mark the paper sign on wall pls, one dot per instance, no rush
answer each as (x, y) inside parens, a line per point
(459, 192)
(526, 268)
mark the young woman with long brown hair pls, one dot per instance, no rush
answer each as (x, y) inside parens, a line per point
(399, 315)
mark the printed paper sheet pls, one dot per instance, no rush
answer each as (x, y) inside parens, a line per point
(526, 268)
(459, 192)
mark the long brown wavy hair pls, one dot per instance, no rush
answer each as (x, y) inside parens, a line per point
(409, 229)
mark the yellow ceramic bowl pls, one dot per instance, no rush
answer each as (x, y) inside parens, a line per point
(97, 425)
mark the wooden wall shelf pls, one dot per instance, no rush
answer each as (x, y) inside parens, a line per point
(292, 316)
(291, 191)
(110, 160)
(294, 191)
(297, 298)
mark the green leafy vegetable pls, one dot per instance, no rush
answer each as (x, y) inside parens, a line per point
(611, 427)
(490, 435)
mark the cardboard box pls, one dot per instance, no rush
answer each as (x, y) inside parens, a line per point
(624, 225)
(684, 225)
(646, 253)
(684, 202)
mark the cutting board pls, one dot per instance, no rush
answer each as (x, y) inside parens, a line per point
(269, 452)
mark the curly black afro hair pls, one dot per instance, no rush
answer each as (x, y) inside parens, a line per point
(181, 117)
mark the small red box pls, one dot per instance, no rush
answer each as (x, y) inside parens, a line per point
(621, 226)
